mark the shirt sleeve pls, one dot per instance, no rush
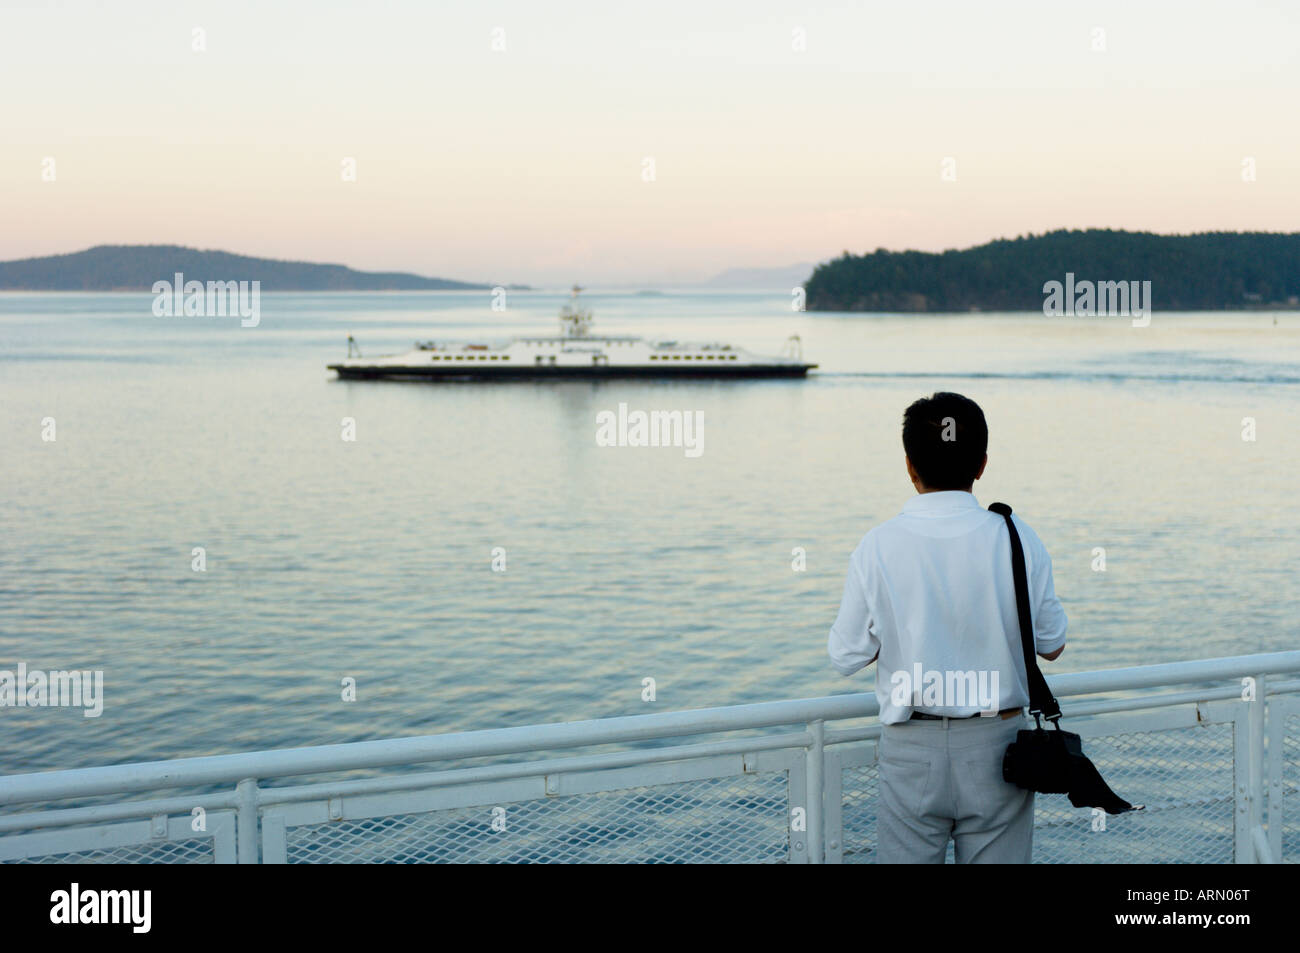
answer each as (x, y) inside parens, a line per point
(1049, 617)
(853, 644)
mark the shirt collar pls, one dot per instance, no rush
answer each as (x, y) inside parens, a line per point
(941, 503)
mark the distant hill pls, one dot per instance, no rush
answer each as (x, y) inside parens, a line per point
(137, 267)
(762, 279)
(1208, 271)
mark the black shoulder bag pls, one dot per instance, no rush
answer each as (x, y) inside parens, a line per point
(1050, 762)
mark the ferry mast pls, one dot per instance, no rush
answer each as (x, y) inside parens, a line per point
(575, 320)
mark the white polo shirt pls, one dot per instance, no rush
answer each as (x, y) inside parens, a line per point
(931, 590)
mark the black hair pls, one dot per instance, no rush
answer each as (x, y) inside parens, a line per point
(946, 438)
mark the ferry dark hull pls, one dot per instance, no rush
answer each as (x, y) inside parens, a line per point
(595, 372)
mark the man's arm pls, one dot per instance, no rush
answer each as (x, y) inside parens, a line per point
(852, 644)
(1050, 621)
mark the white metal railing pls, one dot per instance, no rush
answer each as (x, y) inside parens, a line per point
(1216, 761)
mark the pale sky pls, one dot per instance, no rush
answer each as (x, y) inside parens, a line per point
(528, 164)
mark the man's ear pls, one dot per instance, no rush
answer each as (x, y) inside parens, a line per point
(982, 466)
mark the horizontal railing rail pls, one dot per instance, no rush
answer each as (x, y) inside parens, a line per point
(802, 757)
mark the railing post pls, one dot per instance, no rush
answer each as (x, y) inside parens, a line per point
(246, 791)
(1257, 768)
(1276, 730)
(1241, 847)
(816, 768)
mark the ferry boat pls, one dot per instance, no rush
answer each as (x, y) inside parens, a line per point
(575, 352)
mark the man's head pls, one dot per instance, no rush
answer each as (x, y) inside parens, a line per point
(946, 441)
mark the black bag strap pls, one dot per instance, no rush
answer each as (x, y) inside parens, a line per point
(1041, 700)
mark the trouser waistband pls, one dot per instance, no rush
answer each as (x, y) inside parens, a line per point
(926, 716)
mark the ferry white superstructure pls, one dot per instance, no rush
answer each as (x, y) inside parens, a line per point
(575, 352)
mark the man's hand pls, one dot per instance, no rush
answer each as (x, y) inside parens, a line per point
(1052, 656)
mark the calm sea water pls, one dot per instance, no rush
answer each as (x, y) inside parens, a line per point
(372, 559)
